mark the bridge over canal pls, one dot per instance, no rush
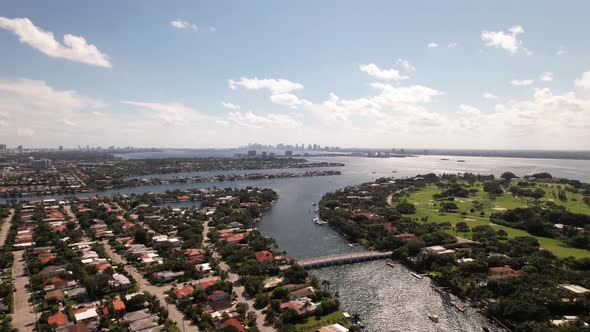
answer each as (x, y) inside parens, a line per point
(350, 258)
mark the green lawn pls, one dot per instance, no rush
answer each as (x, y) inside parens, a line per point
(427, 207)
(312, 324)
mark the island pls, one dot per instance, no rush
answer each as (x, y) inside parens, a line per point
(516, 248)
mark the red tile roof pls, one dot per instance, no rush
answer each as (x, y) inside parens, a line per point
(235, 324)
(118, 305)
(58, 319)
(264, 256)
(182, 292)
(206, 284)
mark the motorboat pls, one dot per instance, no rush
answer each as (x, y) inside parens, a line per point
(433, 318)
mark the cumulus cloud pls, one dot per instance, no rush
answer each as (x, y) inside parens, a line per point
(276, 86)
(251, 120)
(74, 48)
(230, 106)
(522, 82)
(382, 74)
(180, 24)
(432, 45)
(584, 81)
(406, 65)
(212, 29)
(288, 99)
(170, 114)
(506, 40)
(468, 110)
(546, 77)
(25, 132)
(488, 95)
(452, 45)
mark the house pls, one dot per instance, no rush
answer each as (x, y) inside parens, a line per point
(303, 292)
(57, 319)
(118, 306)
(574, 289)
(235, 239)
(137, 315)
(217, 295)
(183, 292)
(503, 272)
(568, 320)
(166, 276)
(236, 324)
(205, 267)
(194, 256)
(437, 250)
(333, 328)
(119, 280)
(143, 324)
(464, 260)
(264, 256)
(206, 284)
(54, 294)
(53, 271)
(76, 293)
(301, 306)
(406, 236)
(86, 314)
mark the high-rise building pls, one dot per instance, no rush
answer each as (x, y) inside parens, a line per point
(252, 153)
(288, 153)
(20, 149)
(61, 148)
(40, 164)
(2, 148)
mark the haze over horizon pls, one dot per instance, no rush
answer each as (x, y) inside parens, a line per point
(383, 74)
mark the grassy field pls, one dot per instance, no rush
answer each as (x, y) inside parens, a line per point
(426, 206)
(312, 324)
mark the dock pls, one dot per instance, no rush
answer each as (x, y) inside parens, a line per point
(343, 259)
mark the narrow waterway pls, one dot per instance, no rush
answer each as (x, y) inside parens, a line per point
(388, 299)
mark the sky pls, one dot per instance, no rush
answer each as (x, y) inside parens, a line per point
(380, 74)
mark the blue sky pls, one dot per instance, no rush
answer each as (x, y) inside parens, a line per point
(346, 73)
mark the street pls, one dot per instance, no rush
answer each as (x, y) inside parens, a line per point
(24, 316)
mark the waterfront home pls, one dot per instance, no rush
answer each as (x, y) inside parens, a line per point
(301, 306)
(264, 256)
(436, 250)
(333, 328)
(303, 292)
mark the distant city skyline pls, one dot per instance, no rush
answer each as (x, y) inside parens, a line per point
(382, 74)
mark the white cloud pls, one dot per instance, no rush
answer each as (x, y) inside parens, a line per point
(230, 106)
(212, 29)
(180, 24)
(546, 77)
(505, 40)
(406, 65)
(383, 74)
(251, 120)
(584, 81)
(432, 45)
(287, 99)
(468, 110)
(25, 132)
(276, 86)
(488, 95)
(171, 114)
(74, 48)
(452, 45)
(522, 82)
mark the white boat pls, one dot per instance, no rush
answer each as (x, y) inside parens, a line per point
(313, 203)
(416, 275)
(433, 318)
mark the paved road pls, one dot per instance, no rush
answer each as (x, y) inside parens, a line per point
(5, 227)
(24, 316)
(144, 285)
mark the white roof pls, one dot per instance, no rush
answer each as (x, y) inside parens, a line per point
(575, 288)
(89, 313)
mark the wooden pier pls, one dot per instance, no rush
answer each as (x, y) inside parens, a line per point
(351, 258)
